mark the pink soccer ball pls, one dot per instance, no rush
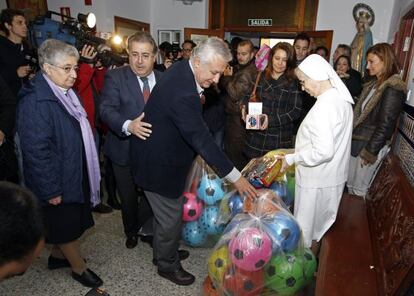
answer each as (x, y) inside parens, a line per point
(192, 208)
(250, 249)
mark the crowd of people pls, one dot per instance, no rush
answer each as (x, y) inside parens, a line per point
(139, 126)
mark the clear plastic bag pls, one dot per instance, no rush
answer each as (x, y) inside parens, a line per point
(264, 172)
(202, 196)
(260, 252)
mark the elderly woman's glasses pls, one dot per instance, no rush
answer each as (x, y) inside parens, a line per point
(67, 68)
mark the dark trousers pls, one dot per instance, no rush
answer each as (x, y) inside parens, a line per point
(110, 183)
(134, 205)
(167, 230)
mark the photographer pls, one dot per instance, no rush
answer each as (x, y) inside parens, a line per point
(88, 85)
(170, 54)
(13, 65)
(14, 69)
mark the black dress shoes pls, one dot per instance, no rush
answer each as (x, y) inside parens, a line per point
(182, 255)
(55, 263)
(131, 242)
(179, 277)
(146, 239)
(102, 209)
(88, 278)
(114, 203)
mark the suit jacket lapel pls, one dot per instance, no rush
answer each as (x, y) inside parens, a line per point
(134, 87)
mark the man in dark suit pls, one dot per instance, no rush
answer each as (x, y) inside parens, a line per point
(8, 162)
(161, 163)
(125, 93)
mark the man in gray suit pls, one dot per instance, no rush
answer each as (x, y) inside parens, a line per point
(125, 93)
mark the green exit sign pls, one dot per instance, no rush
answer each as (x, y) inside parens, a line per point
(259, 22)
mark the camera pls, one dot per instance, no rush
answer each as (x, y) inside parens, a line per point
(173, 52)
(31, 59)
(73, 33)
(108, 58)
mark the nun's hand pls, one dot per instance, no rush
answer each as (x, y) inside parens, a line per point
(285, 165)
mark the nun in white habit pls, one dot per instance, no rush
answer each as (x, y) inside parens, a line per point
(322, 149)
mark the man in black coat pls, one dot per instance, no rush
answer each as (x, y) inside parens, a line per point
(124, 95)
(162, 162)
(13, 65)
(8, 162)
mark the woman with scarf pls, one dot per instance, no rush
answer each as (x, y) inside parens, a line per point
(59, 156)
(375, 117)
(322, 149)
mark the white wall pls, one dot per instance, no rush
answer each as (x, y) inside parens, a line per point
(174, 15)
(336, 15)
(3, 4)
(160, 14)
(105, 10)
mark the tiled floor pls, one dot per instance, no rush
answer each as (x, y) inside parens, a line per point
(124, 271)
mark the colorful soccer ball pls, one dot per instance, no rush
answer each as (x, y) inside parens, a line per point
(280, 188)
(211, 189)
(224, 208)
(284, 232)
(235, 204)
(218, 263)
(209, 220)
(208, 288)
(193, 234)
(250, 249)
(243, 283)
(309, 264)
(192, 208)
(285, 273)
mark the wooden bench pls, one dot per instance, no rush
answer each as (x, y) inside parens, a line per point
(370, 248)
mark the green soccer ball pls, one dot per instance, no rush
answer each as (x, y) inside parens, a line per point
(288, 273)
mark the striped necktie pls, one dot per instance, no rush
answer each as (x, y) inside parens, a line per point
(145, 89)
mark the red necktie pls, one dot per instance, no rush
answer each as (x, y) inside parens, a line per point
(145, 89)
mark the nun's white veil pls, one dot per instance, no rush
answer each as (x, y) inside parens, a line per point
(318, 69)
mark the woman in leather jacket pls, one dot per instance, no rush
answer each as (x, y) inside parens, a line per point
(375, 117)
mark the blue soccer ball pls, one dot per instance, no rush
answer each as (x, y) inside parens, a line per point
(280, 189)
(208, 220)
(284, 231)
(193, 234)
(211, 189)
(235, 204)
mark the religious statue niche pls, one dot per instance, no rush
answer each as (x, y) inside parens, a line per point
(364, 17)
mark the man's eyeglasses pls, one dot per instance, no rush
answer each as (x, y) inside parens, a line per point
(187, 49)
(67, 69)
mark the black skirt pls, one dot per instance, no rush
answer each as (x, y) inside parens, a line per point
(67, 222)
